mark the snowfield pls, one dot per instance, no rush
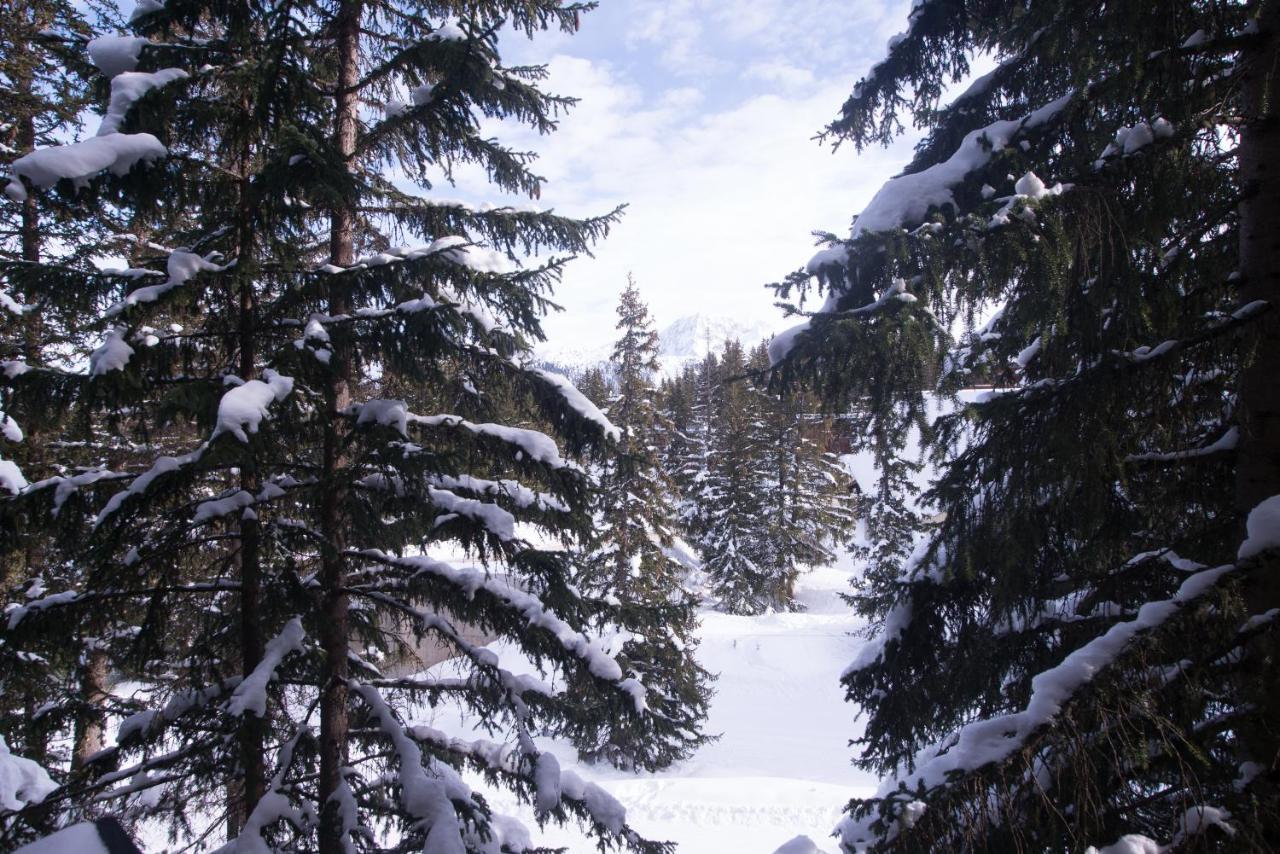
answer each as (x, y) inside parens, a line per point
(782, 765)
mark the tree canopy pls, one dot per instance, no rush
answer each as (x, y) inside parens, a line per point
(1082, 649)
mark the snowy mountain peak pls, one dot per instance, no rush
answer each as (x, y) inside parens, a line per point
(683, 342)
(690, 338)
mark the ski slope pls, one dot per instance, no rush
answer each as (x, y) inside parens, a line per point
(781, 766)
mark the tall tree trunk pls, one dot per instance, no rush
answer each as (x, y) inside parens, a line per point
(1258, 454)
(1258, 469)
(91, 719)
(29, 229)
(36, 742)
(245, 791)
(335, 625)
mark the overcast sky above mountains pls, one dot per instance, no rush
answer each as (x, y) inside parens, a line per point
(684, 341)
(700, 115)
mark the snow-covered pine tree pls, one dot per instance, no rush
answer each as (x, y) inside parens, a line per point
(312, 526)
(629, 558)
(45, 84)
(595, 386)
(808, 501)
(690, 459)
(737, 541)
(1084, 651)
(632, 523)
(676, 397)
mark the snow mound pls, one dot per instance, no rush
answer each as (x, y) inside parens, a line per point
(22, 781)
(1263, 528)
(245, 406)
(79, 161)
(800, 845)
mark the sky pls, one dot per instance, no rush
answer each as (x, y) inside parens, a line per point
(700, 116)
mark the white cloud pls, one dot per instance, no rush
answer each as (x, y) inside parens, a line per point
(719, 203)
(722, 175)
(697, 36)
(781, 72)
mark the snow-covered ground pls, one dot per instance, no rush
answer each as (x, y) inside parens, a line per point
(782, 764)
(781, 767)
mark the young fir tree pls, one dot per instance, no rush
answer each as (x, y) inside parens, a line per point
(1083, 652)
(807, 495)
(737, 541)
(676, 398)
(630, 558)
(253, 576)
(690, 459)
(632, 524)
(595, 386)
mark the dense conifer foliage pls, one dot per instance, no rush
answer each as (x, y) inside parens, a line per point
(630, 558)
(270, 526)
(1082, 650)
(809, 498)
(757, 491)
(46, 80)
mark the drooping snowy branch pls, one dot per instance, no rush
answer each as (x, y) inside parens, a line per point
(251, 694)
(128, 87)
(116, 153)
(274, 806)
(181, 266)
(425, 797)
(536, 614)
(537, 446)
(579, 402)
(992, 740)
(905, 200)
(784, 341)
(1138, 357)
(1224, 443)
(453, 248)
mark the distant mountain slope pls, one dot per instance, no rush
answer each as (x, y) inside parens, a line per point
(689, 339)
(683, 342)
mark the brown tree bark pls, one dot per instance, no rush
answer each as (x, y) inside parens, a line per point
(1258, 471)
(36, 741)
(335, 622)
(91, 720)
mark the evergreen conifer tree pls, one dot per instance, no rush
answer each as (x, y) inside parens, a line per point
(808, 501)
(45, 84)
(737, 544)
(676, 401)
(630, 560)
(772, 500)
(632, 520)
(690, 460)
(594, 385)
(1083, 652)
(274, 523)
